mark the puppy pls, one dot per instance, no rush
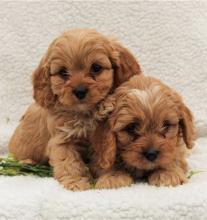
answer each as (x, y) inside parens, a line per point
(146, 135)
(79, 70)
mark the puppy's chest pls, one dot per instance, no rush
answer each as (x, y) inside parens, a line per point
(78, 127)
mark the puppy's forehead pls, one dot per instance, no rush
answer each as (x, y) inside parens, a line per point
(76, 46)
(151, 102)
(149, 96)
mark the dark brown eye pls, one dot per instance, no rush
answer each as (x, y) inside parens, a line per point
(166, 126)
(63, 72)
(96, 69)
(131, 128)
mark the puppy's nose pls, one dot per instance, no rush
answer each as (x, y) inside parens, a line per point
(80, 92)
(151, 154)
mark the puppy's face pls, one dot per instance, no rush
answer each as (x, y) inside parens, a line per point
(81, 68)
(147, 129)
(148, 123)
(81, 71)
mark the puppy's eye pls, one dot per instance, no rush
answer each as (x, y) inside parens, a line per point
(63, 72)
(131, 128)
(96, 69)
(166, 126)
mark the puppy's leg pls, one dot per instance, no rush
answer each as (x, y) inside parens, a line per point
(69, 169)
(173, 175)
(114, 179)
(28, 161)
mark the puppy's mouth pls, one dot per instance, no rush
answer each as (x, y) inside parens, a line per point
(82, 107)
(149, 163)
(147, 158)
(79, 107)
(140, 162)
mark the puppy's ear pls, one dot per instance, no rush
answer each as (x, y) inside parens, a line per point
(187, 126)
(104, 145)
(42, 92)
(124, 63)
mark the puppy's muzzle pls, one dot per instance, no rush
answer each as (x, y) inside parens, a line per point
(80, 92)
(151, 154)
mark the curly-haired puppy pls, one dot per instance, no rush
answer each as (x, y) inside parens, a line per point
(79, 69)
(145, 136)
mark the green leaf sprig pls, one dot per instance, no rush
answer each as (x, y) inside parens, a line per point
(11, 167)
(194, 172)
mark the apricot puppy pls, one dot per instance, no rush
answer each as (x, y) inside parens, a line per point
(79, 70)
(146, 135)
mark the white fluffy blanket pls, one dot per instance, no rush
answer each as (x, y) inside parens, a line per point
(170, 41)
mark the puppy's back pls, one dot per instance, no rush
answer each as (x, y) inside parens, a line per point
(31, 136)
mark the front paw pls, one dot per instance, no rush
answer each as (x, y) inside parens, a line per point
(167, 178)
(104, 111)
(28, 161)
(113, 180)
(75, 184)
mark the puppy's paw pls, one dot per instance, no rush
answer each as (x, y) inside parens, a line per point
(28, 161)
(76, 184)
(113, 180)
(167, 178)
(104, 110)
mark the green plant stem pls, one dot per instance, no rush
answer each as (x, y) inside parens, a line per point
(11, 167)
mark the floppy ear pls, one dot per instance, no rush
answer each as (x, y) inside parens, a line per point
(187, 126)
(104, 145)
(42, 92)
(125, 65)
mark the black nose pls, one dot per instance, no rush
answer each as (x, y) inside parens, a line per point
(80, 92)
(151, 154)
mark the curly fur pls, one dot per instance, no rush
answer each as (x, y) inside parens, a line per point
(56, 128)
(161, 121)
